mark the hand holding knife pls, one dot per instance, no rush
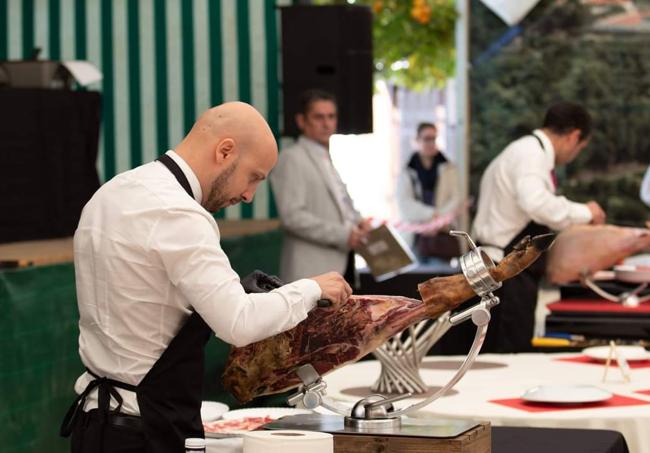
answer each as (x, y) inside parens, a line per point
(324, 303)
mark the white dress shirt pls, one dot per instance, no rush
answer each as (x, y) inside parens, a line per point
(645, 188)
(517, 187)
(146, 256)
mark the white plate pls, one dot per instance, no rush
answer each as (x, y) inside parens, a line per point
(566, 394)
(273, 412)
(638, 260)
(212, 410)
(240, 414)
(631, 353)
(632, 273)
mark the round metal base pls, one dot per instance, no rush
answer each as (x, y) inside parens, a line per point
(372, 423)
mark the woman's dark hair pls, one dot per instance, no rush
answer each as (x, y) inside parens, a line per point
(423, 126)
(564, 117)
(308, 97)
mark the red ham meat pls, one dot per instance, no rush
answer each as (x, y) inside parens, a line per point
(591, 248)
(330, 338)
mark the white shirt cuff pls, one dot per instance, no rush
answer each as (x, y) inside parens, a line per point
(311, 292)
(580, 213)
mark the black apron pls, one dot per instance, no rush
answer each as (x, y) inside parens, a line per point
(533, 229)
(514, 318)
(512, 323)
(170, 394)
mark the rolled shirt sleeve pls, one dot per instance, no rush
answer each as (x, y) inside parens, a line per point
(535, 196)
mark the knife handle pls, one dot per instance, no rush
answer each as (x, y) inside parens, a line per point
(324, 303)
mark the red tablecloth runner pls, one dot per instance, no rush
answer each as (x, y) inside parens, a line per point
(643, 392)
(590, 361)
(614, 401)
(596, 305)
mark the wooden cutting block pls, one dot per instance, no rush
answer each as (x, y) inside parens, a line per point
(476, 440)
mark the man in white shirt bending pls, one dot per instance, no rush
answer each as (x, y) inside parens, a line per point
(517, 197)
(153, 283)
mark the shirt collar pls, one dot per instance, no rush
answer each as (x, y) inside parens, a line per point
(189, 174)
(549, 150)
(312, 145)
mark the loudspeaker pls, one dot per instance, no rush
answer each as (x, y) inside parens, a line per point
(329, 48)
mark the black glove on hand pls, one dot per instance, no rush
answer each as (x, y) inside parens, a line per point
(259, 282)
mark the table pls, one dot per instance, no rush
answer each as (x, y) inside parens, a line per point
(497, 376)
(510, 440)
(545, 440)
(599, 318)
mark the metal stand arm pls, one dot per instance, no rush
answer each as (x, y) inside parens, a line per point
(378, 410)
(481, 318)
(628, 298)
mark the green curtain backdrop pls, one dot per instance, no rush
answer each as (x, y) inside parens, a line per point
(163, 62)
(39, 360)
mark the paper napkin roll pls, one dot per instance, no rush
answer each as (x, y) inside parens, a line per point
(288, 441)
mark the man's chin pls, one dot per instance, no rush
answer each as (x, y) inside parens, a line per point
(216, 207)
(229, 204)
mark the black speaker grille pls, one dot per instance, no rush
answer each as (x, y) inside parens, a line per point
(330, 48)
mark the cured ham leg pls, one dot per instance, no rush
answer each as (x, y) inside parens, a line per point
(330, 338)
(591, 248)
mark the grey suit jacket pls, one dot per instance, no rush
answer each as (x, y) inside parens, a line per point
(316, 233)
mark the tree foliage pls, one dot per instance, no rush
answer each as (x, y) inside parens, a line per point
(558, 55)
(413, 40)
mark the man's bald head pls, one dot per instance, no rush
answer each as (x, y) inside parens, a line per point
(230, 149)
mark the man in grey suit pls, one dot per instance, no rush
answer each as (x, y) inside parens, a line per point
(322, 227)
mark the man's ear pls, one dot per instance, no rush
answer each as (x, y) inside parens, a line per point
(225, 151)
(300, 121)
(575, 136)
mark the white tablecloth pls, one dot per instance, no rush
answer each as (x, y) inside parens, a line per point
(522, 371)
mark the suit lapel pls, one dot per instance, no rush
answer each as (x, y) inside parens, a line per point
(319, 165)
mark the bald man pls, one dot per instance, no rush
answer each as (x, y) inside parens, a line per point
(153, 283)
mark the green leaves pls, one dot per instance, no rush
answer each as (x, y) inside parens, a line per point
(560, 55)
(413, 40)
(402, 33)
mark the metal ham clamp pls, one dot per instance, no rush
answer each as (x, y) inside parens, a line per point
(375, 414)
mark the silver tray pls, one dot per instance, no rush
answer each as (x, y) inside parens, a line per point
(410, 427)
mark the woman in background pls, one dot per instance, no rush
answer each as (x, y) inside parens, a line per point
(426, 189)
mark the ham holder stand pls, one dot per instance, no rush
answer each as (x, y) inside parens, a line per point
(373, 422)
(621, 273)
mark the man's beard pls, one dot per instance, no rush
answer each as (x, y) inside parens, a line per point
(217, 198)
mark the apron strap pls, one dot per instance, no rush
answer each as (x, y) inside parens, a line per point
(539, 140)
(173, 167)
(105, 391)
(521, 234)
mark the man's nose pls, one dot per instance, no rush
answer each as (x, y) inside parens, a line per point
(247, 196)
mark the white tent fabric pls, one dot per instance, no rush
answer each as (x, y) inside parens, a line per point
(510, 11)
